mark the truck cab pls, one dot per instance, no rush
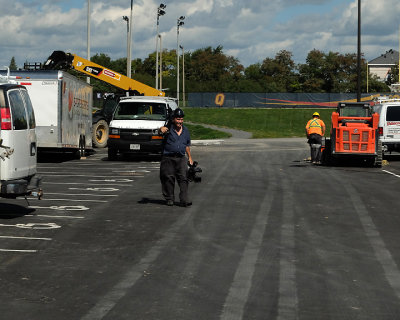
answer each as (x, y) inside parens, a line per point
(17, 142)
(135, 124)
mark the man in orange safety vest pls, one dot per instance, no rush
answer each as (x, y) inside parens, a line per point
(315, 130)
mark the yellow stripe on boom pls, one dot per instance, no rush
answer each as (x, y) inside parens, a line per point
(114, 78)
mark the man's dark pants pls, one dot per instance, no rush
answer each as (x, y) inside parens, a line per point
(171, 168)
(315, 141)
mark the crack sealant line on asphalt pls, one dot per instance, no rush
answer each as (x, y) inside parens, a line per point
(288, 300)
(109, 301)
(238, 294)
(382, 254)
(106, 303)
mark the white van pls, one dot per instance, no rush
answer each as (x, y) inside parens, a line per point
(135, 123)
(389, 124)
(17, 143)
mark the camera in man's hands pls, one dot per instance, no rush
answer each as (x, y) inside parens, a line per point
(193, 171)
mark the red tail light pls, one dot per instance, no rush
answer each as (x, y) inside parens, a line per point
(5, 118)
(380, 131)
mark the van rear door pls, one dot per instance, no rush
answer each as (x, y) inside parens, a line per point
(31, 132)
(21, 137)
(392, 123)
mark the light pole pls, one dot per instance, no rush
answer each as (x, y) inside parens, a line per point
(161, 68)
(183, 76)
(179, 24)
(88, 36)
(359, 53)
(160, 12)
(129, 42)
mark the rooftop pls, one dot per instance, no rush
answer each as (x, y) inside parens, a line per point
(390, 57)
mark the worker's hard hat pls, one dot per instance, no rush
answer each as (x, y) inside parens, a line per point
(316, 114)
(178, 113)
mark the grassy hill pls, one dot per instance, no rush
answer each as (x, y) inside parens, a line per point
(263, 123)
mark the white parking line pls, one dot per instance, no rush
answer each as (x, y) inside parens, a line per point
(115, 180)
(96, 189)
(25, 238)
(16, 250)
(62, 208)
(33, 226)
(71, 200)
(55, 174)
(88, 184)
(62, 217)
(83, 194)
(393, 174)
(131, 171)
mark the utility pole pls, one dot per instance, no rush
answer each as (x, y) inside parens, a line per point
(359, 53)
(183, 77)
(161, 68)
(88, 36)
(179, 24)
(160, 12)
(129, 57)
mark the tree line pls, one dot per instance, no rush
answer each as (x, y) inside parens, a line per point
(210, 69)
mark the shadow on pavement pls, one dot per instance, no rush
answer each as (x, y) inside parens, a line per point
(136, 158)
(151, 201)
(12, 211)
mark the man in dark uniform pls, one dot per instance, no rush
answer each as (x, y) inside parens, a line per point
(174, 163)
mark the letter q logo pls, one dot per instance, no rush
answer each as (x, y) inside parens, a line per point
(220, 99)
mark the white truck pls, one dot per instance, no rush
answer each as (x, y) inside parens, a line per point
(134, 128)
(63, 109)
(17, 142)
(389, 123)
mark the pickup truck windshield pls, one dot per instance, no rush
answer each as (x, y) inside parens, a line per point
(140, 111)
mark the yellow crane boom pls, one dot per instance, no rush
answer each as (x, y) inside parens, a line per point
(60, 59)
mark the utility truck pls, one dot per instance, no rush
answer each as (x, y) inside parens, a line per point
(389, 123)
(17, 142)
(63, 109)
(354, 135)
(101, 118)
(134, 128)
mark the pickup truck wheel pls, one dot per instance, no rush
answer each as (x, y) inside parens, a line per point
(100, 134)
(112, 154)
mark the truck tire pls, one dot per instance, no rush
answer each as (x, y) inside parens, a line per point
(100, 134)
(327, 159)
(112, 154)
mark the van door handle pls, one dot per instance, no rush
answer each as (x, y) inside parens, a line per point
(33, 148)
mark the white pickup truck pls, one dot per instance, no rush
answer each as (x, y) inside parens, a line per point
(135, 123)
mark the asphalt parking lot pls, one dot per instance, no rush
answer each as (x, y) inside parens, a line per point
(269, 236)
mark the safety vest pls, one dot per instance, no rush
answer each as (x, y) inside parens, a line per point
(315, 125)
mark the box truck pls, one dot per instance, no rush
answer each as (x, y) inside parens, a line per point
(63, 110)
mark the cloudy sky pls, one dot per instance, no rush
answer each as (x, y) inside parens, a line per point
(249, 30)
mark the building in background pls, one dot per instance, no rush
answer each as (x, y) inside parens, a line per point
(382, 65)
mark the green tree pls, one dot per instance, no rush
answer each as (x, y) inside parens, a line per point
(212, 65)
(13, 65)
(279, 73)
